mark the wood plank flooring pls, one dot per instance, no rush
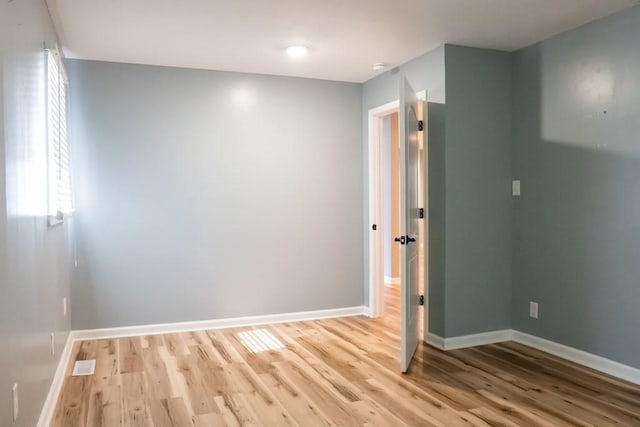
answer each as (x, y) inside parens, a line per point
(337, 372)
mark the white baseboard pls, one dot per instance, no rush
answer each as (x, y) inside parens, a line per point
(465, 341)
(391, 280)
(580, 357)
(165, 328)
(435, 341)
(56, 385)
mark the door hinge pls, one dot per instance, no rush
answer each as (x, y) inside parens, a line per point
(420, 212)
(421, 301)
(420, 125)
(374, 227)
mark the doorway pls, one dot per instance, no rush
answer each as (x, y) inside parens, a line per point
(384, 212)
(390, 225)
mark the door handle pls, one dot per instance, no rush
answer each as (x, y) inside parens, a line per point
(405, 240)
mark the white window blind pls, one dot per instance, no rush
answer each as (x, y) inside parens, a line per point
(60, 200)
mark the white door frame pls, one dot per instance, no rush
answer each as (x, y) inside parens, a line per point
(376, 215)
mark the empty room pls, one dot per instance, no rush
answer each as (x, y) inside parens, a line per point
(306, 213)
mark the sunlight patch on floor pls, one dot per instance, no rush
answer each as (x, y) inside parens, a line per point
(259, 340)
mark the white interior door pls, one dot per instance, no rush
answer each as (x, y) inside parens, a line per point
(410, 142)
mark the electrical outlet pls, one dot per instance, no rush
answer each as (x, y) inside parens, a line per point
(53, 344)
(533, 309)
(16, 406)
(515, 188)
(64, 307)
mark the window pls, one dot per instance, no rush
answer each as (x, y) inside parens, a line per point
(60, 200)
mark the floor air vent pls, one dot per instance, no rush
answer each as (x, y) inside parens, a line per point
(84, 367)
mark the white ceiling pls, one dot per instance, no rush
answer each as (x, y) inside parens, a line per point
(345, 36)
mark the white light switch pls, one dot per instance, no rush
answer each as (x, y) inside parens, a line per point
(515, 188)
(533, 309)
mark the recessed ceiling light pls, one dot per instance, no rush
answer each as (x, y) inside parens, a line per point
(379, 66)
(297, 51)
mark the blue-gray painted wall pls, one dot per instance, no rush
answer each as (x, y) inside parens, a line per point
(206, 195)
(478, 191)
(437, 219)
(577, 152)
(35, 259)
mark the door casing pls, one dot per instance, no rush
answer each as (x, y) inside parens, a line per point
(375, 214)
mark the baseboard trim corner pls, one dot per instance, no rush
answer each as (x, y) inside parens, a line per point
(435, 341)
(49, 407)
(391, 280)
(234, 322)
(465, 341)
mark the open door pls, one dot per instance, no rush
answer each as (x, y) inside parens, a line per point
(411, 213)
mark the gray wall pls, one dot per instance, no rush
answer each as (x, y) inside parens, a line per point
(469, 183)
(206, 195)
(478, 191)
(426, 72)
(34, 259)
(577, 223)
(437, 218)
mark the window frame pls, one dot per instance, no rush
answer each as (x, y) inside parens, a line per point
(57, 139)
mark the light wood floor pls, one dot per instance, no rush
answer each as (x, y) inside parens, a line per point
(337, 372)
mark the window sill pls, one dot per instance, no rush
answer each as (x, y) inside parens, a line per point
(54, 221)
(60, 218)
